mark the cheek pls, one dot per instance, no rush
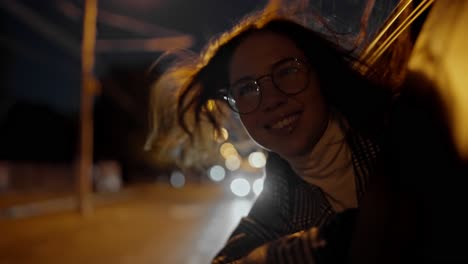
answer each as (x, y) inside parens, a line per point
(313, 97)
(251, 125)
(316, 109)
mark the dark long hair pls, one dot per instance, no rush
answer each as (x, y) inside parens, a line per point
(361, 101)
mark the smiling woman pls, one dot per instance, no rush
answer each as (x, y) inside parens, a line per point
(288, 103)
(284, 82)
(333, 137)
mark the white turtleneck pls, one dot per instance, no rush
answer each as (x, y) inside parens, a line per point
(329, 167)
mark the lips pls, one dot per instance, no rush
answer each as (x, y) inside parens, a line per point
(284, 124)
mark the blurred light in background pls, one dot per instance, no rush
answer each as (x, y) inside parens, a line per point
(257, 186)
(217, 173)
(240, 187)
(177, 179)
(257, 159)
(211, 105)
(239, 208)
(221, 136)
(227, 150)
(233, 162)
(107, 176)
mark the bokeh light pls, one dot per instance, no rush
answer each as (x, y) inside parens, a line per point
(211, 105)
(240, 187)
(177, 179)
(257, 159)
(233, 162)
(221, 136)
(227, 150)
(257, 186)
(217, 173)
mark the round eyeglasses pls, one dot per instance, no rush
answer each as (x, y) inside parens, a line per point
(290, 76)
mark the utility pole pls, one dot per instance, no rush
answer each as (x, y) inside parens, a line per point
(88, 90)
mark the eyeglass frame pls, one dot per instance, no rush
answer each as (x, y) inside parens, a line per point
(225, 92)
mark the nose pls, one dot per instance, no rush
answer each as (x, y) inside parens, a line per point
(272, 97)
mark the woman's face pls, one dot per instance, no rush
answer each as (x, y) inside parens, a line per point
(289, 125)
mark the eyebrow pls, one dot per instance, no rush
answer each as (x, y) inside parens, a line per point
(245, 78)
(271, 66)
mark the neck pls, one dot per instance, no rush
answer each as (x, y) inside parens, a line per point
(325, 151)
(329, 166)
(303, 155)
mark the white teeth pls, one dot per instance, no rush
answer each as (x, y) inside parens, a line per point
(285, 122)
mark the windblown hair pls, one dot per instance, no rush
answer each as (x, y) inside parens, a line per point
(195, 81)
(343, 87)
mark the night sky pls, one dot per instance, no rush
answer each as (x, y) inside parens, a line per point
(41, 70)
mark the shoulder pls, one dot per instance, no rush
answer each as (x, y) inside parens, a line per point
(418, 114)
(419, 137)
(279, 171)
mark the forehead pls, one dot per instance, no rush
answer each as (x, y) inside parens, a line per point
(258, 52)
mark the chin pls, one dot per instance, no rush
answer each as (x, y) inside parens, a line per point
(292, 151)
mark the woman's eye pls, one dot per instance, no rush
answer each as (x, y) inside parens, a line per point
(287, 71)
(247, 89)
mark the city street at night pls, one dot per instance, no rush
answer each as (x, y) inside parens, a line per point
(144, 224)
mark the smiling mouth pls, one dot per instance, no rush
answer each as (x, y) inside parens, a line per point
(286, 123)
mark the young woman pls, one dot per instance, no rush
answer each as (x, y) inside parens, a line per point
(325, 126)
